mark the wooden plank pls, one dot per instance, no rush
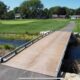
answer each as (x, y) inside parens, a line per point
(45, 56)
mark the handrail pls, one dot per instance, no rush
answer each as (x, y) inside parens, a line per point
(21, 48)
(51, 78)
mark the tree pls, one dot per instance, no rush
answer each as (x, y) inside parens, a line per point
(25, 13)
(3, 10)
(31, 8)
(45, 13)
(17, 10)
(32, 4)
(55, 10)
(10, 15)
(77, 12)
(63, 11)
(72, 11)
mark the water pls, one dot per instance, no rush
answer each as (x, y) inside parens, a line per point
(15, 43)
(75, 52)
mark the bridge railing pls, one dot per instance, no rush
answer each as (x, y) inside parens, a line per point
(21, 48)
(54, 78)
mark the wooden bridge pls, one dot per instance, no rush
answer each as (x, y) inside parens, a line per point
(46, 55)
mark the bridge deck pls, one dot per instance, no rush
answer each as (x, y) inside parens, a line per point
(45, 56)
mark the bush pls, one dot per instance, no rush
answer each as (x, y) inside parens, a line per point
(32, 33)
(1, 46)
(7, 46)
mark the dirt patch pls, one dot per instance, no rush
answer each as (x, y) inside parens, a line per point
(4, 51)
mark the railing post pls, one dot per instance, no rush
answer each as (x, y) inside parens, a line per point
(15, 52)
(1, 60)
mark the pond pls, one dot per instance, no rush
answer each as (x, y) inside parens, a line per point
(15, 43)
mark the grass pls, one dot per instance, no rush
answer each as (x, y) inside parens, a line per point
(77, 28)
(28, 29)
(26, 37)
(7, 46)
(5, 49)
(31, 26)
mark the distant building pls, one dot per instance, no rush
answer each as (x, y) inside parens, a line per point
(62, 16)
(54, 16)
(18, 16)
(58, 16)
(75, 17)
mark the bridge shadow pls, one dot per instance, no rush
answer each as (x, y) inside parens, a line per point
(71, 61)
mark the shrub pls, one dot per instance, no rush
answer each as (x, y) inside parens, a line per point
(7, 46)
(36, 33)
(1, 46)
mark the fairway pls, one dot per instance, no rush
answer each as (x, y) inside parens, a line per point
(31, 25)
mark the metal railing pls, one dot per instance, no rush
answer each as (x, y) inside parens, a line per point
(25, 78)
(21, 48)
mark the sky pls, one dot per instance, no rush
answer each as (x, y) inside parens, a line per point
(47, 3)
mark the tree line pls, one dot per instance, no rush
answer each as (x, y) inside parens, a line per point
(35, 9)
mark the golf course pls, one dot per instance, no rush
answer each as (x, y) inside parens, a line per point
(27, 29)
(31, 25)
(39, 39)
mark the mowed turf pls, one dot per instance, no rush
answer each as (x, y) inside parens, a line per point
(77, 28)
(31, 25)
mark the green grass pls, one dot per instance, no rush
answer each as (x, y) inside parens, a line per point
(77, 28)
(7, 47)
(26, 37)
(31, 25)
